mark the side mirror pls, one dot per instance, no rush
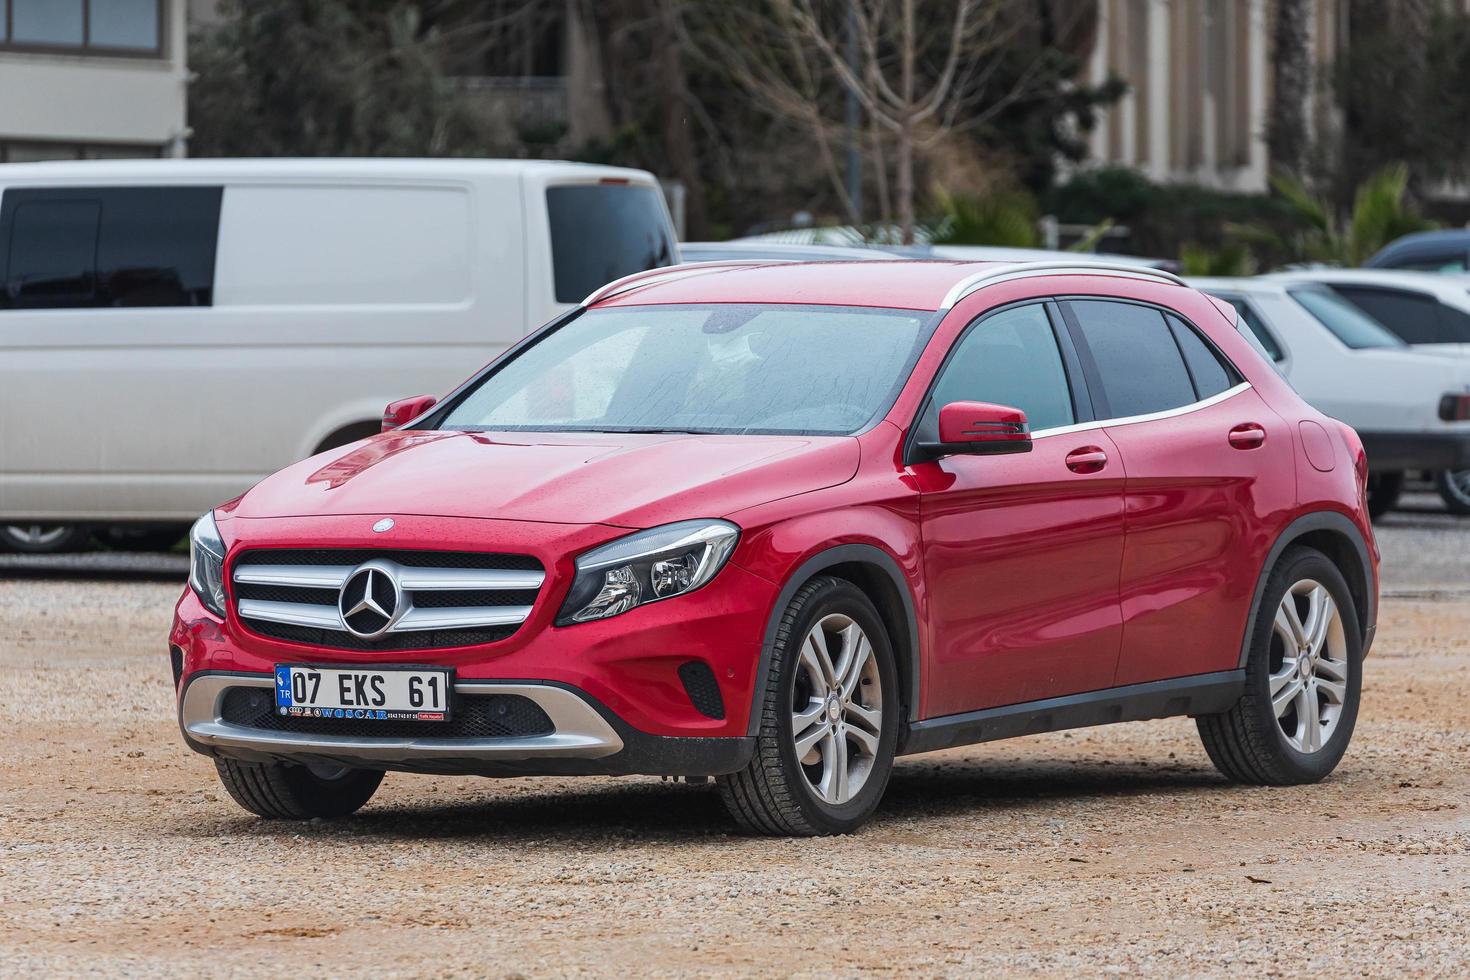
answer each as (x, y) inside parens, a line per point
(980, 429)
(406, 410)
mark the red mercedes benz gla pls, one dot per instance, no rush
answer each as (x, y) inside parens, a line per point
(780, 524)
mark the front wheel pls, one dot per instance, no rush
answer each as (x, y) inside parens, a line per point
(286, 792)
(1454, 490)
(829, 719)
(1302, 684)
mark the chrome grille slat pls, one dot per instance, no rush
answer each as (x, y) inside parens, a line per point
(461, 617)
(496, 600)
(291, 613)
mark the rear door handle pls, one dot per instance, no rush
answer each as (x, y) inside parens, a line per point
(1247, 435)
(1088, 459)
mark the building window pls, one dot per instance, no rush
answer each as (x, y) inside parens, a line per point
(127, 27)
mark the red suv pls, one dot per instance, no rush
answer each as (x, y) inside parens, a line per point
(779, 524)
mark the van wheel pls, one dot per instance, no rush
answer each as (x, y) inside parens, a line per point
(282, 792)
(829, 719)
(1302, 680)
(1384, 490)
(44, 539)
(1454, 490)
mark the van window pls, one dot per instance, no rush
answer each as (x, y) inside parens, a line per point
(1139, 364)
(108, 246)
(602, 232)
(345, 245)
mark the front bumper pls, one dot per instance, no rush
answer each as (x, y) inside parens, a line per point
(1395, 451)
(585, 738)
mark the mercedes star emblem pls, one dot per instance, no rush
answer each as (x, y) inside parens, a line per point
(371, 601)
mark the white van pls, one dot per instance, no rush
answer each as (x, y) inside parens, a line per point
(171, 331)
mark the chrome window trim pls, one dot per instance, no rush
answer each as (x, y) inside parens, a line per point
(1060, 430)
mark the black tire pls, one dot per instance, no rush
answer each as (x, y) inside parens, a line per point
(44, 539)
(1247, 743)
(1384, 490)
(1454, 490)
(772, 795)
(280, 792)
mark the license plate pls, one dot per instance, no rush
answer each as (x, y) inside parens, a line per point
(368, 694)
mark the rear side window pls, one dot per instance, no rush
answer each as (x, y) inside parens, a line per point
(1414, 317)
(1139, 365)
(1210, 374)
(1008, 358)
(602, 232)
(79, 247)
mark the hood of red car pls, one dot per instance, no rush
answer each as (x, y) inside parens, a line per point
(634, 480)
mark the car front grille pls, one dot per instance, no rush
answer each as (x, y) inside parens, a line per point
(470, 716)
(418, 600)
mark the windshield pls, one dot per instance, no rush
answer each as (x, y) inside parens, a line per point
(1348, 324)
(720, 368)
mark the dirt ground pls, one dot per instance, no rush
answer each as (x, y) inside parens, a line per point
(1104, 851)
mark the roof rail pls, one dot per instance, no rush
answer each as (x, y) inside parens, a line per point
(650, 276)
(969, 284)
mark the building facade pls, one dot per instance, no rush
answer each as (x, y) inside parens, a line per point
(1199, 77)
(84, 79)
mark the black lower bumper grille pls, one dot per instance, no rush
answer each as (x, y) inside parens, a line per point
(419, 640)
(471, 716)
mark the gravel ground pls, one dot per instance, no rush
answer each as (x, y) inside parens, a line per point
(1102, 851)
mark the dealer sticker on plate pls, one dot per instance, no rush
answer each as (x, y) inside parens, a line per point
(369, 694)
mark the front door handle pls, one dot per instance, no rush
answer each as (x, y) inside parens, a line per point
(1088, 459)
(1247, 435)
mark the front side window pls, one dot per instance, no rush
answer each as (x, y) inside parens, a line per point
(1139, 364)
(602, 232)
(1008, 358)
(113, 246)
(717, 368)
(1351, 325)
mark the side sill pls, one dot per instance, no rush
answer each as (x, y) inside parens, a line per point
(1201, 694)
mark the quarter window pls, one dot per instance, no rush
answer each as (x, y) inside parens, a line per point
(119, 246)
(1209, 373)
(1008, 358)
(1139, 364)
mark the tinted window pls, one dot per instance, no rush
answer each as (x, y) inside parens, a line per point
(1347, 322)
(125, 246)
(1410, 316)
(1454, 324)
(727, 368)
(1010, 358)
(1138, 362)
(1210, 374)
(602, 232)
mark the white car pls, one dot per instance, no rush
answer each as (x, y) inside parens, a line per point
(1411, 408)
(171, 331)
(1430, 311)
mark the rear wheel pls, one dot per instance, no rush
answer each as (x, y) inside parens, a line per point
(1384, 490)
(287, 792)
(829, 719)
(43, 539)
(1303, 677)
(1454, 490)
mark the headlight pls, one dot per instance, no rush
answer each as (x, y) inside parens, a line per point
(659, 563)
(207, 564)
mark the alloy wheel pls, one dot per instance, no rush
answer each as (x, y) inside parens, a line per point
(1457, 483)
(1309, 668)
(836, 709)
(36, 535)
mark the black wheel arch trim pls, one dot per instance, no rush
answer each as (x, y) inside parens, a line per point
(1324, 520)
(843, 554)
